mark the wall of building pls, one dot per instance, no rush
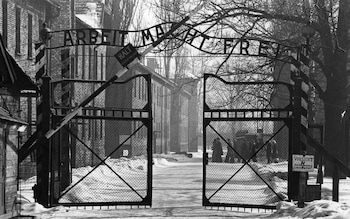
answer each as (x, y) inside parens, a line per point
(164, 128)
(191, 86)
(11, 168)
(161, 111)
(179, 120)
(8, 150)
(27, 26)
(23, 19)
(20, 29)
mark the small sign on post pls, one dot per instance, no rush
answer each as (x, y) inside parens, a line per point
(126, 55)
(303, 163)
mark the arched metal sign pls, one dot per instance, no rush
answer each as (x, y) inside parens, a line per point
(146, 37)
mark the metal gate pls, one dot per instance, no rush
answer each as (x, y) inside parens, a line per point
(246, 142)
(103, 156)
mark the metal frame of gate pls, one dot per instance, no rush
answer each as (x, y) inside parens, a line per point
(212, 114)
(62, 159)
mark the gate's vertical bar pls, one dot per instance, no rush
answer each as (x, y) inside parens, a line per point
(149, 139)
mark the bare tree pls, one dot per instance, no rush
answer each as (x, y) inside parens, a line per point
(120, 19)
(330, 48)
(283, 21)
(170, 11)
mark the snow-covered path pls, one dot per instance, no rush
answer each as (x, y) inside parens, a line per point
(177, 193)
(177, 185)
(180, 184)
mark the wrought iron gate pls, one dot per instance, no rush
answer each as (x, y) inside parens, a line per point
(104, 155)
(252, 122)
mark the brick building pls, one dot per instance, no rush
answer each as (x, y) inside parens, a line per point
(20, 22)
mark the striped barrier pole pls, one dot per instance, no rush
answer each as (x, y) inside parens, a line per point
(300, 80)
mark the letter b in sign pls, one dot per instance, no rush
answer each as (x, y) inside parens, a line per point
(127, 55)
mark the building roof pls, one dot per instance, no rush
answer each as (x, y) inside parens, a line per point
(53, 3)
(166, 82)
(7, 117)
(12, 76)
(146, 70)
(89, 12)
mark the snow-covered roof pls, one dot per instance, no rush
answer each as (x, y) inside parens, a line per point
(91, 17)
(89, 12)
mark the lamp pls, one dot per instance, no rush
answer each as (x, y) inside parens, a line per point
(308, 31)
(22, 128)
(45, 34)
(17, 127)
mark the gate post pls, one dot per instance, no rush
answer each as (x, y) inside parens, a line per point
(41, 189)
(299, 76)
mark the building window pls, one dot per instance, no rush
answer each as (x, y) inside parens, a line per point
(18, 31)
(161, 96)
(155, 94)
(65, 63)
(72, 64)
(83, 127)
(134, 88)
(98, 68)
(76, 66)
(91, 62)
(101, 127)
(166, 99)
(83, 63)
(40, 25)
(4, 22)
(30, 36)
(95, 65)
(90, 125)
(139, 87)
(102, 68)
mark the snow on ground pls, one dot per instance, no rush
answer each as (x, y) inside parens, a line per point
(238, 183)
(100, 183)
(137, 167)
(315, 209)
